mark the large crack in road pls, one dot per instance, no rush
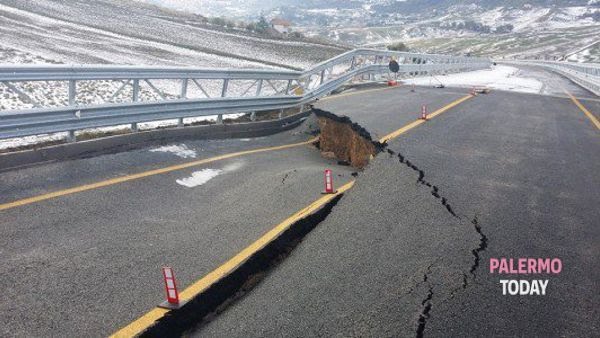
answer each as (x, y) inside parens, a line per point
(435, 192)
(346, 141)
(327, 119)
(449, 193)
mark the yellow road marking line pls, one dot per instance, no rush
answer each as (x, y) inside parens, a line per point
(147, 320)
(144, 174)
(417, 123)
(584, 110)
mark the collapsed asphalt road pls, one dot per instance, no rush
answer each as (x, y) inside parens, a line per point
(406, 252)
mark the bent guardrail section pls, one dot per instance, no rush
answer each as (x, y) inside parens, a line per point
(101, 96)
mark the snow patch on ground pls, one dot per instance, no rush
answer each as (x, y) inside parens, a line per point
(180, 150)
(499, 77)
(29, 140)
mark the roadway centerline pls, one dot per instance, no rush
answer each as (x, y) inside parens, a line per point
(417, 123)
(584, 110)
(127, 178)
(147, 320)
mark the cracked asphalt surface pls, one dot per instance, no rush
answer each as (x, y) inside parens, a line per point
(404, 253)
(521, 173)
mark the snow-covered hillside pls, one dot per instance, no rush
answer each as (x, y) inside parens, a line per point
(128, 32)
(526, 30)
(472, 28)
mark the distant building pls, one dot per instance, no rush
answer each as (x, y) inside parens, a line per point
(281, 26)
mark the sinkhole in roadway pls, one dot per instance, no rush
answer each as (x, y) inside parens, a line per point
(344, 140)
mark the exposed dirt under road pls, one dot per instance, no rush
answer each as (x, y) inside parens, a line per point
(344, 140)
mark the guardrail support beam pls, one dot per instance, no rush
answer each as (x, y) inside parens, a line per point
(259, 87)
(72, 92)
(184, 89)
(225, 85)
(136, 90)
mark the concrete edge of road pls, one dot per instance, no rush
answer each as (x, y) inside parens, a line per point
(119, 143)
(230, 281)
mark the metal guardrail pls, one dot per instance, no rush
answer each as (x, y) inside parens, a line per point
(220, 92)
(586, 75)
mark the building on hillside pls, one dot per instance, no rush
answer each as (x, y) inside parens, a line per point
(281, 26)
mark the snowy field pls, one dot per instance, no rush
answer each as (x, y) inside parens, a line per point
(499, 77)
(126, 32)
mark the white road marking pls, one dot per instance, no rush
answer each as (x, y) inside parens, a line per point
(179, 150)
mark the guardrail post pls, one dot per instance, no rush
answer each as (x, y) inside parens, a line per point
(134, 127)
(136, 90)
(253, 116)
(225, 85)
(72, 92)
(259, 87)
(280, 114)
(322, 76)
(289, 86)
(184, 88)
(220, 119)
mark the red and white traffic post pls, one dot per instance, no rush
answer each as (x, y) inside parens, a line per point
(172, 301)
(424, 112)
(329, 183)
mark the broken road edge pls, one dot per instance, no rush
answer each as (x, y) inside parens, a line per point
(220, 288)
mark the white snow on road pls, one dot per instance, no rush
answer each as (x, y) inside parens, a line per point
(499, 77)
